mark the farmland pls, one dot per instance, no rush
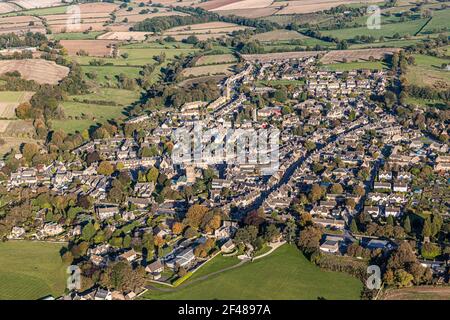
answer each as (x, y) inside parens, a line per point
(295, 278)
(31, 270)
(9, 100)
(41, 71)
(356, 55)
(208, 70)
(387, 30)
(418, 293)
(278, 35)
(215, 59)
(427, 71)
(307, 6)
(439, 21)
(280, 55)
(83, 111)
(97, 48)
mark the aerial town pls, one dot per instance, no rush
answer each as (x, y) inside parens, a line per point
(357, 175)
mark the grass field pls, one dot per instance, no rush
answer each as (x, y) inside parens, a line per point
(371, 65)
(285, 274)
(81, 115)
(217, 263)
(46, 11)
(386, 30)
(439, 21)
(108, 74)
(76, 35)
(427, 71)
(31, 270)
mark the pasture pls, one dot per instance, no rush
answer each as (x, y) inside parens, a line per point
(439, 21)
(387, 30)
(285, 274)
(31, 270)
(427, 71)
(83, 111)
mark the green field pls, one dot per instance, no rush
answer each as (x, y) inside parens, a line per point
(386, 30)
(31, 270)
(81, 115)
(440, 20)
(427, 71)
(387, 44)
(108, 74)
(76, 35)
(285, 274)
(371, 65)
(46, 11)
(217, 263)
(138, 56)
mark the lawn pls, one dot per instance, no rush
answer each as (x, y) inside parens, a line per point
(386, 30)
(219, 262)
(285, 274)
(372, 65)
(31, 270)
(427, 71)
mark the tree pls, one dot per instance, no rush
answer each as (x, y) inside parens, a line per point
(195, 215)
(190, 232)
(290, 231)
(316, 193)
(121, 276)
(353, 226)
(152, 175)
(88, 232)
(271, 233)
(309, 240)
(407, 224)
(426, 229)
(430, 250)
(401, 257)
(246, 235)
(336, 188)
(390, 220)
(105, 168)
(403, 278)
(177, 228)
(29, 150)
